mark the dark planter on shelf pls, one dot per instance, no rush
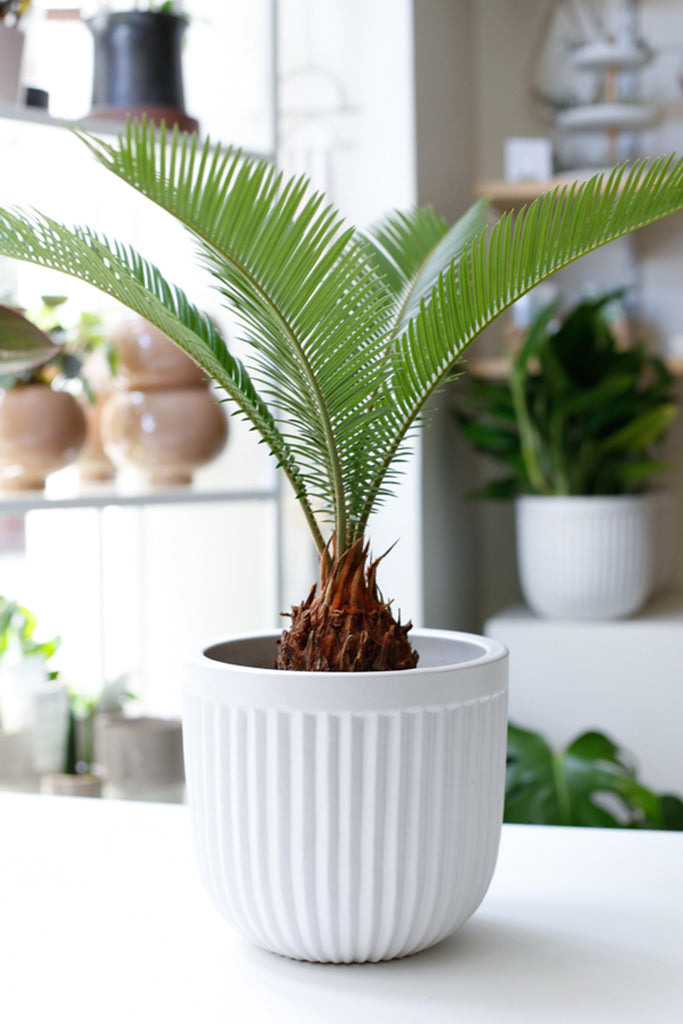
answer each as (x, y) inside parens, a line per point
(138, 66)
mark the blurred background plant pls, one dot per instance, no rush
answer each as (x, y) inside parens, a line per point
(17, 629)
(578, 414)
(79, 757)
(76, 345)
(12, 11)
(591, 782)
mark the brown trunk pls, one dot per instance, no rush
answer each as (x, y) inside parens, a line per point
(346, 626)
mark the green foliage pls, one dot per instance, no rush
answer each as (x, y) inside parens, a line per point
(160, 7)
(35, 348)
(590, 783)
(351, 334)
(11, 11)
(17, 628)
(83, 707)
(577, 415)
(23, 346)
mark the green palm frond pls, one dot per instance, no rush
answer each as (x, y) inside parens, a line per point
(123, 274)
(411, 250)
(507, 261)
(300, 283)
(350, 334)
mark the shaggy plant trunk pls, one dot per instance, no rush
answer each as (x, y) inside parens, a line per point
(345, 625)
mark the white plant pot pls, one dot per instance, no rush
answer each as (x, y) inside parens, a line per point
(347, 817)
(585, 557)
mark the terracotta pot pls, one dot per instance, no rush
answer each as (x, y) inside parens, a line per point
(147, 358)
(41, 430)
(56, 784)
(94, 465)
(167, 433)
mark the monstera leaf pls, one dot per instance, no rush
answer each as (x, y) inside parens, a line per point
(23, 346)
(591, 783)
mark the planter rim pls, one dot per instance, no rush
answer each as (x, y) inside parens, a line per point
(586, 500)
(490, 651)
(109, 17)
(471, 671)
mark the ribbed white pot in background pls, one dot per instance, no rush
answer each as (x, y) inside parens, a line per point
(585, 557)
(347, 817)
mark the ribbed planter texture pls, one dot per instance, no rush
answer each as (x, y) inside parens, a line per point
(585, 557)
(347, 817)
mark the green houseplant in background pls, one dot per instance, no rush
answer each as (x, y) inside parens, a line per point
(352, 333)
(33, 703)
(576, 426)
(591, 782)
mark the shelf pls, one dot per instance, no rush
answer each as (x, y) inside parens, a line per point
(96, 125)
(605, 117)
(511, 195)
(106, 496)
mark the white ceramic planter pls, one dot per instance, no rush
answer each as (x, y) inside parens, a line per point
(347, 817)
(585, 557)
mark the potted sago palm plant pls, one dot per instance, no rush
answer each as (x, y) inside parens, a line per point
(577, 425)
(347, 802)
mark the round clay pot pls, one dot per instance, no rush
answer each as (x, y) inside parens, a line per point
(166, 432)
(147, 358)
(41, 430)
(94, 465)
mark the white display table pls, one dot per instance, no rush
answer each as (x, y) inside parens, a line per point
(103, 919)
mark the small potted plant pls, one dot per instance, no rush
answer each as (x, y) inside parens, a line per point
(33, 704)
(576, 425)
(79, 774)
(347, 801)
(42, 426)
(138, 63)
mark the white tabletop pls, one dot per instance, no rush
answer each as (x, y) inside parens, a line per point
(103, 919)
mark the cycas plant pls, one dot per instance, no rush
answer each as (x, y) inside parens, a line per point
(351, 333)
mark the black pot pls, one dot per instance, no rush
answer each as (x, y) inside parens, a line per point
(137, 61)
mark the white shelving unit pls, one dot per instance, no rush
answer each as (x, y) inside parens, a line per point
(127, 574)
